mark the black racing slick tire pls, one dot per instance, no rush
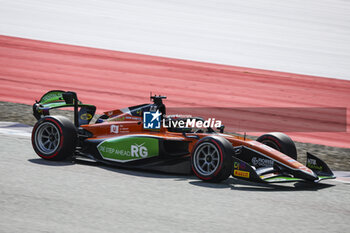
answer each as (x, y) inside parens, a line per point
(54, 138)
(211, 159)
(280, 142)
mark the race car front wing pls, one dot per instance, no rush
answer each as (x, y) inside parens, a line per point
(277, 172)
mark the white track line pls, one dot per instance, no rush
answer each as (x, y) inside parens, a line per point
(15, 129)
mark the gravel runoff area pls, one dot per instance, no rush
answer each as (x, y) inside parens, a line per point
(336, 158)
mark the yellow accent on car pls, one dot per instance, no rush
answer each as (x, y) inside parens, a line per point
(240, 173)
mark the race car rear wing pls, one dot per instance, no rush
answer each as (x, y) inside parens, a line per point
(61, 99)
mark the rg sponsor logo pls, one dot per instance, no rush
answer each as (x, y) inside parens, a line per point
(136, 151)
(139, 151)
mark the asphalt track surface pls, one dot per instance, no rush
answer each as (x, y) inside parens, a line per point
(111, 80)
(41, 196)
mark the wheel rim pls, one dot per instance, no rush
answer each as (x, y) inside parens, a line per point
(206, 159)
(47, 138)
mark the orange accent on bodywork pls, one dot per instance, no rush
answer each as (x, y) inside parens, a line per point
(113, 112)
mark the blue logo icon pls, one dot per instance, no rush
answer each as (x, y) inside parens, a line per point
(151, 120)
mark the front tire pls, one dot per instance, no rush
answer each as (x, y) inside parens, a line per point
(54, 138)
(212, 159)
(280, 142)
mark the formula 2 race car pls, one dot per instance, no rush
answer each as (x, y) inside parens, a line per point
(134, 138)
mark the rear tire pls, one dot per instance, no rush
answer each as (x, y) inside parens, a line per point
(54, 138)
(280, 142)
(212, 159)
